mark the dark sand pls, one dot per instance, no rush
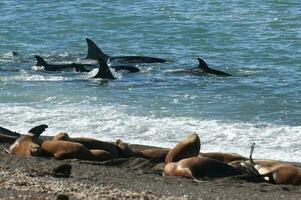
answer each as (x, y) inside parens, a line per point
(134, 178)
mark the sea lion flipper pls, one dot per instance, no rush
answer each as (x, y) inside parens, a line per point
(94, 51)
(253, 169)
(6, 150)
(38, 130)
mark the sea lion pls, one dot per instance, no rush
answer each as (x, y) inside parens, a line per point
(203, 69)
(277, 172)
(223, 156)
(66, 149)
(199, 167)
(153, 154)
(94, 52)
(188, 147)
(30, 144)
(90, 143)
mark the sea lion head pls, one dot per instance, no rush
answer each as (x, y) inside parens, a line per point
(188, 147)
(124, 150)
(62, 136)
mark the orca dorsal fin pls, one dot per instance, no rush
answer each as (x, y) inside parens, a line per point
(94, 52)
(202, 64)
(104, 71)
(40, 61)
(38, 130)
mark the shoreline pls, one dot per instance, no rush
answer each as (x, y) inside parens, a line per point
(122, 178)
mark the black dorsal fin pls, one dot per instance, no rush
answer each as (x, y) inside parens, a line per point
(94, 52)
(40, 61)
(202, 64)
(38, 130)
(104, 71)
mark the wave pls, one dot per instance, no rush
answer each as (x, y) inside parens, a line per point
(111, 122)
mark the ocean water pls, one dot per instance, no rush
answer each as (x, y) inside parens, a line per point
(259, 42)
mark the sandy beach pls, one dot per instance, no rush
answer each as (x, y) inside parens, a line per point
(131, 178)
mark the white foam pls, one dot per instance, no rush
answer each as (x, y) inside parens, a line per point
(113, 122)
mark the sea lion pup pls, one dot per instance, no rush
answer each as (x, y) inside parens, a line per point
(223, 156)
(30, 144)
(278, 173)
(65, 149)
(90, 143)
(199, 167)
(186, 148)
(153, 154)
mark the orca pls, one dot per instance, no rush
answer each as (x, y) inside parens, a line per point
(79, 67)
(203, 69)
(94, 52)
(58, 67)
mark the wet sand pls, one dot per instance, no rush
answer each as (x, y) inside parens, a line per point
(133, 178)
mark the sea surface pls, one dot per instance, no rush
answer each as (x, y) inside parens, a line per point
(259, 42)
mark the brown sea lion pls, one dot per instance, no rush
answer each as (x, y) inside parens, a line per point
(186, 148)
(199, 167)
(277, 172)
(153, 154)
(30, 144)
(66, 149)
(90, 143)
(281, 173)
(223, 156)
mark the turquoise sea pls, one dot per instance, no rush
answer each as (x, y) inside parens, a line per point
(259, 42)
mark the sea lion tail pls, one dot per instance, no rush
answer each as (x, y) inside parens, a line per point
(40, 61)
(38, 130)
(94, 52)
(193, 177)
